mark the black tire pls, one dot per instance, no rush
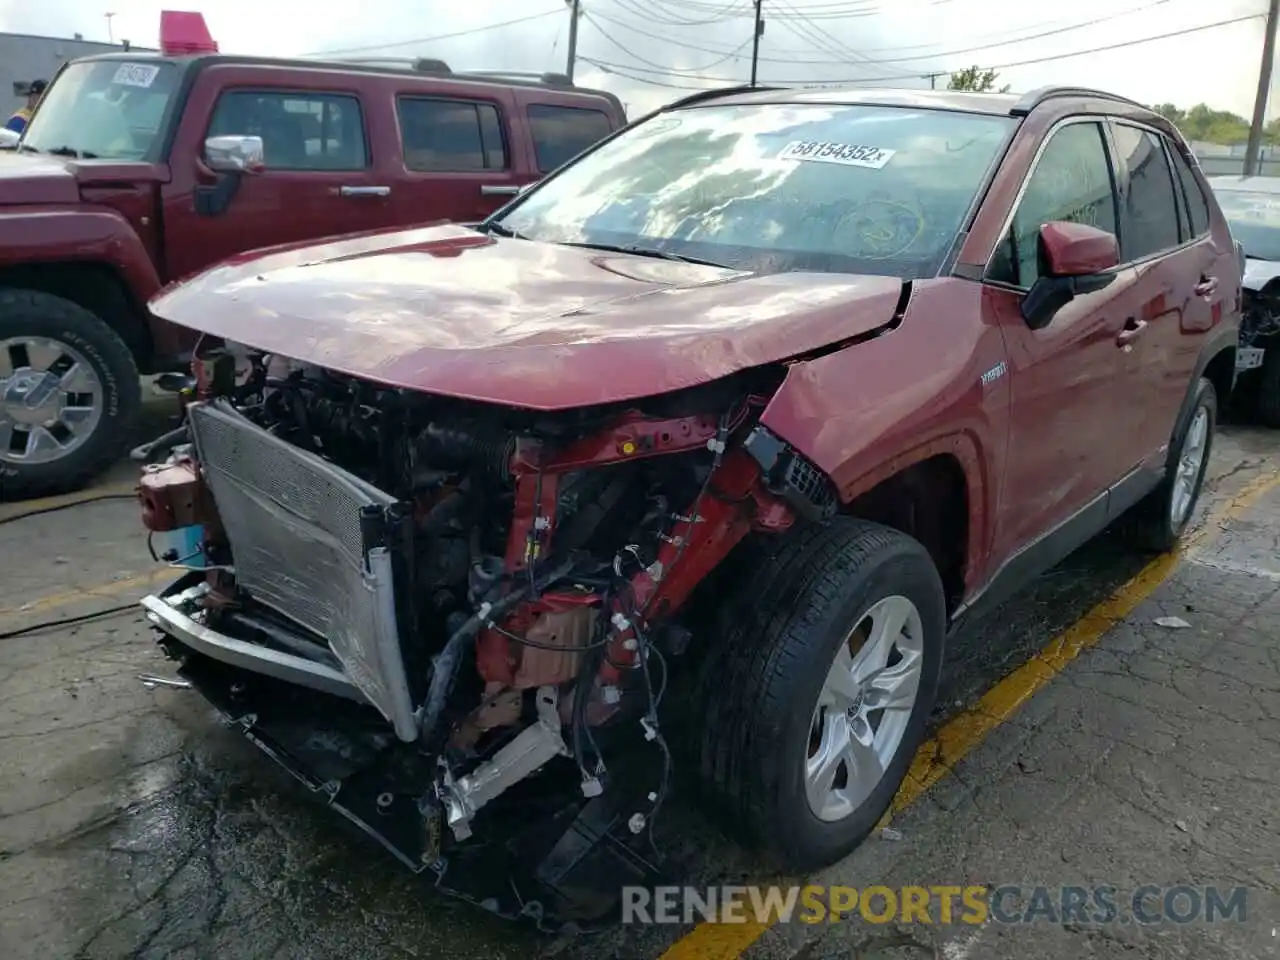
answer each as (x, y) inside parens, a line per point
(1266, 387)
(35, 314)
(1149, 525)
(776, 641)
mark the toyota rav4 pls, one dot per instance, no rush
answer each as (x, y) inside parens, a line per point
(730, 420)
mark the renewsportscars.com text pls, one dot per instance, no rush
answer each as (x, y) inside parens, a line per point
(1006, 904)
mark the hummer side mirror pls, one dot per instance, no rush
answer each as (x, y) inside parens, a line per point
(235, 154)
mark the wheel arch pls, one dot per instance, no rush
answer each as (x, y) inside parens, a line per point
(1217, 364)
(99, 287)
(933, 494)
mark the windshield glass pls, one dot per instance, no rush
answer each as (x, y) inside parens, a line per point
(1254, 218)
(103, 108)
(777, 187)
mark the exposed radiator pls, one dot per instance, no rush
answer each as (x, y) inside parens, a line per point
(293, 523)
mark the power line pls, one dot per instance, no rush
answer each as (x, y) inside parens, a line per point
(890, 60)
(676, 71)
(619, 68)
(442, 36)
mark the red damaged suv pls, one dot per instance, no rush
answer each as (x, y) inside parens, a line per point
(737, 415)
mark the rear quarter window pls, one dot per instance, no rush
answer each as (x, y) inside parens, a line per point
(1197, 205)
(561, 133)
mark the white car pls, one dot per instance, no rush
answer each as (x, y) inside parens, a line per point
(8, 139)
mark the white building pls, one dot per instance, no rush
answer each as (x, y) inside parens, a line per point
(24, 58)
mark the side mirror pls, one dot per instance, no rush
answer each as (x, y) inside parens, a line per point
(1074, 259)
(235, 154)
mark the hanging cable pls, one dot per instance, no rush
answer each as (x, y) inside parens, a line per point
(713, 81)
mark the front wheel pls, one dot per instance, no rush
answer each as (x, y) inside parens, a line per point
(816, 693)
(69, 394)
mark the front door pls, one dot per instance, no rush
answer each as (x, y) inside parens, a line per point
(319, 179)
(1067, 441)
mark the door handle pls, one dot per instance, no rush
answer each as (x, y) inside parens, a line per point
(1207, 287)
(1132, 331)
(365, 191)
(498, 190)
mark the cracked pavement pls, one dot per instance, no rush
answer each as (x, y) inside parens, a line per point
(133, 825)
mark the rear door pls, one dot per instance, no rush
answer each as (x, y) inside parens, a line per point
(319, 178)
(560, 132)
(1067, 442)
(458, 158)
(1181, 294)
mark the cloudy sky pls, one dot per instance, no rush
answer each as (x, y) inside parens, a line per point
(679, 44)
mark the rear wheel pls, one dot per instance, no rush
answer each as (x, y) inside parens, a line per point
(1157, 522)
(69, 393)
(815, 695)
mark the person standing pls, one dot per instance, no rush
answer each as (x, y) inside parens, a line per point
(18, 122)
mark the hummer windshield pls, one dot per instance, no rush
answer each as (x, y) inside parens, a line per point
(775, 187)
(104, 109)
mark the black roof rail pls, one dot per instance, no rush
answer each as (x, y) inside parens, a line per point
(1029, 101)
(712, 94)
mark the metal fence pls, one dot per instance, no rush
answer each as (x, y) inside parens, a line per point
(1234, 166)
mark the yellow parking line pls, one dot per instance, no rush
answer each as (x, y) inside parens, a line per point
(56, 601)
(964, 732)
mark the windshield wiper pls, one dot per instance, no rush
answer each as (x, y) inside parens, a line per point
(499, 230)
(72, 152)
(647, 252)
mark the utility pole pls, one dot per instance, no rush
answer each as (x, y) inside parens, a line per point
(110, 33)
(1264, 87)
(575, 10)
(755, 40)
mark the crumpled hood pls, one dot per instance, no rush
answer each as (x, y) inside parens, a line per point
(1258, 273)
(446, 310)
(35, 178)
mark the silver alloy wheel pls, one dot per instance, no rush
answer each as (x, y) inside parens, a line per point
(1189, 463)
(864, 708)
(51, 400)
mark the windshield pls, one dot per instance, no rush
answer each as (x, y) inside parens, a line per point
(776, 187)
(103, 108)
(1254, 218)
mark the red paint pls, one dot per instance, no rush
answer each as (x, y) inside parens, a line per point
(1078, 250)
(503, 661)
(580, 327)
(183, 32)
(139, 219)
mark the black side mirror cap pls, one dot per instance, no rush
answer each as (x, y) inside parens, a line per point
(1048, 295)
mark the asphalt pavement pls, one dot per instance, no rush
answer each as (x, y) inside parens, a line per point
(1077, 743)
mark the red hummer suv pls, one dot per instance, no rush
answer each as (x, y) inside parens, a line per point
(139, 169)
(718, 430)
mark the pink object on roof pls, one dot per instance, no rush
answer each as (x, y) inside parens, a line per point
(183, 31)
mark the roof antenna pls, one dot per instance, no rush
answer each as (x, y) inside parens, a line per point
(184, 32)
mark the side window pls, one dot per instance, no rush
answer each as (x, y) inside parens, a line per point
(1071, 181)
(453, 136)
(561, 133)
(1196, 203)
(299, 131)
(1149, 209)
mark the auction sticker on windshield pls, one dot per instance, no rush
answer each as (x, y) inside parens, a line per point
(849, 154)
(136, 74)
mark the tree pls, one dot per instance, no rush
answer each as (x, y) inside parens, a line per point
(976, 79)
